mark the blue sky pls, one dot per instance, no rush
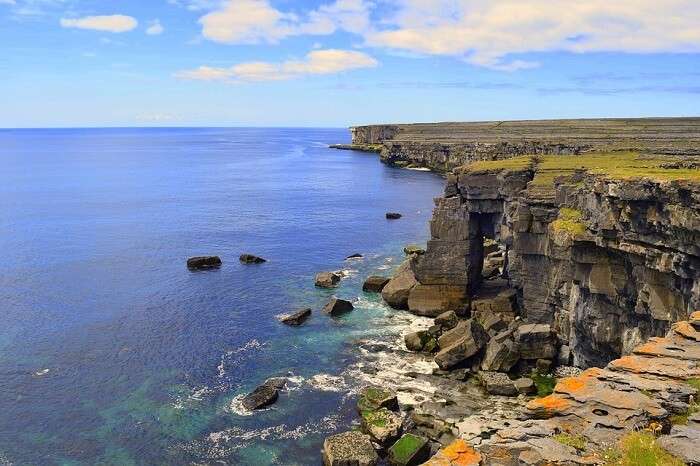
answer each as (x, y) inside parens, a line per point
(342, 62)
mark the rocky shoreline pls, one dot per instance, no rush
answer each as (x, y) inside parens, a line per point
(544, 296)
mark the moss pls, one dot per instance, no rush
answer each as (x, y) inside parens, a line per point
(695, 383)
(545, 383)
(513, 164)
(575, 441)
(377, 418)
(694, 407)
(405, 448)
(569, 222)
(639, 449)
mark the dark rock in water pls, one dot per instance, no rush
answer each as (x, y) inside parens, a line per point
(355, 256)
(375, 284)
(265, 394)
(349, 449)
(327, 279)
(412, 249)
(409, 450)
(296, 318)
(396, 292)
(337, 306)
(251, 259)
(498, 383)
(374, 398)
(393, 216)
(203, 262)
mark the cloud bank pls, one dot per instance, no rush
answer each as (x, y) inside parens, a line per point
(110, 23)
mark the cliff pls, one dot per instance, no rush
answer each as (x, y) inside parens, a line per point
(444, 146)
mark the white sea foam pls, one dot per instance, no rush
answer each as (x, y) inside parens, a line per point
(41, 372)
(237, 408)
(327, 383)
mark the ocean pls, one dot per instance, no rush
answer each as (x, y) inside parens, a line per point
(113, 353)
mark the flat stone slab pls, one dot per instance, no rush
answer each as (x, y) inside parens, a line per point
(349, 449)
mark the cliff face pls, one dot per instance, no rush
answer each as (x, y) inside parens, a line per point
(607, 260)
(445, 146)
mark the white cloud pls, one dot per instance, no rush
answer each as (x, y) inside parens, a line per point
(257, 21)
(485, 33)
(7, 2)
(317, 62)
(111, 23)
(155, 28)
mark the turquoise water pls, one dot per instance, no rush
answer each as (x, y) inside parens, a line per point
(112, 352)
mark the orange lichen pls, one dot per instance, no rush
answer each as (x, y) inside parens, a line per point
(695, 315)
(629, 363)
(458, 453)
(550, 403)
(570, 384)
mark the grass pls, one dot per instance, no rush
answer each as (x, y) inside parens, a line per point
(639, 449)
(575, 441)
(693, 407)
(513, 164)
(544, 383)
(569, 222)
(404, 449)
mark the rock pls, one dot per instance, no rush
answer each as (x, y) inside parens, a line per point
(564, 356)
(413, 250)
(493, 324)
(683, 442)
(398, 289)
(382, 425)
(536, 341)
(349, 449)
(375, 284)
(525, 386)
(374, 398)
(203, 262)
(460, 343)
(490, 246)
(694, 320)
(416, 341)
(409, 450)
(327, 279)
(500, 356)
(498, 383)
(447, 320)
(251, 259)
(457, 453)
(264, 395)
(433, 300)
(337, 306)
(393, 216)
(296, 318)
(357, 255)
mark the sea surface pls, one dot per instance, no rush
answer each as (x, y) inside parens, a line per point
(113, 353)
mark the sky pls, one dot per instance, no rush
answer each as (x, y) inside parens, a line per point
(335, 63)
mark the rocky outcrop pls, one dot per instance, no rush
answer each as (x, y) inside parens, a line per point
(203, 262)
(374, 284)
(327, 279)
(336, 306)
(349, 449)
(265, 394)
(442, 147)
(296, 318)
(251, 259)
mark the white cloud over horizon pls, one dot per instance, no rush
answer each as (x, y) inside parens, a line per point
(107, 23)
(316, 62)
(155, 28)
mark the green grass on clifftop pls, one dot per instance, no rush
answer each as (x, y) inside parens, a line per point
(639, 449)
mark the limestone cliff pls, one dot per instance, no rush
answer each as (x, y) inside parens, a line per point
(444, 146)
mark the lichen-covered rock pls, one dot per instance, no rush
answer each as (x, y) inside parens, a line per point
(498, 383)
(457, 453)
(382, 425)
(409, 450)
(327, 279)
(349, 449)
(374, 398)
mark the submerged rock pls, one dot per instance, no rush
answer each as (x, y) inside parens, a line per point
(251, 259)
(327, 279)
(337, 306)
(296, 318)
(393, 215)
(349, 449)
(203, 262)
(357, 255)
(375, 284)
(265, 394)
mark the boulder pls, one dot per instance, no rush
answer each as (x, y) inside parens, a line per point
(375, 284)
(398, 289)
(420, 341)
(683, 442)
(382, 425)
(536, 341)
(543, 366)
(493, 324)
(349, 449)
(498, 383)
(409, 450)
(374, 398)
(327, 279)
(251, 259)
(694, 320)
(393, 216)
(413, 250)
(296, 318)
(433, 300)
(460, 344)
(337, 306)
(357, 255)
(264, 395)
(203, 262)
(500, 356)
(447, 320)
(525, 386)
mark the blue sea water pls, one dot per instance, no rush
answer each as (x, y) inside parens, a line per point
(113, 353)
